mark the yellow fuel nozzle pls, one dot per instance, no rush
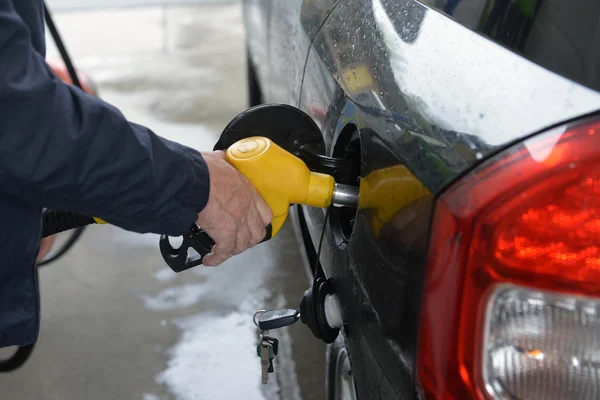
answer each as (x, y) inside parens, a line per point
(387, 191)
(280, 177)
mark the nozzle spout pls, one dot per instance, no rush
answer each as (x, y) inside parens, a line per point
(345, 195)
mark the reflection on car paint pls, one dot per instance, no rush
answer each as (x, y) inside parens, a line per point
(358, 79)
(385, 192)
(349, 116)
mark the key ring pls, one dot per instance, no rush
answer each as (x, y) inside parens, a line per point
(255, 314)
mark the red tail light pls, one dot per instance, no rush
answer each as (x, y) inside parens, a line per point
(512, 295)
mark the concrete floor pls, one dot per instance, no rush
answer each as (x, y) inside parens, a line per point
(116, 322)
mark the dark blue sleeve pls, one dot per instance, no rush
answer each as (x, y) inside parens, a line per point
(63, 149)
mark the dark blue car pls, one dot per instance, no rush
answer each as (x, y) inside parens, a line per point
(475, 271)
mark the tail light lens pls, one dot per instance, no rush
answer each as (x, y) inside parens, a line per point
(541, 345)
(512, 293)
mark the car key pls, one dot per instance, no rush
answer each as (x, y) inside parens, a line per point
(266, 354)
(274, 319)
(275, 344)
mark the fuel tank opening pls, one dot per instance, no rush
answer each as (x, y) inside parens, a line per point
(343, 216)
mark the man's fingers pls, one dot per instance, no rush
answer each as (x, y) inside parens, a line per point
(215, 259)
(220, 253)
(243, 239)
(256, 227)
(210, 260)
(264, 210)
(258, 232)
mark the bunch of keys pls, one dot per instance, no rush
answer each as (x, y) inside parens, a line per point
(268, 346)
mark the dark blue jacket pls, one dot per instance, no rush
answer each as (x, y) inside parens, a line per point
(64, 150)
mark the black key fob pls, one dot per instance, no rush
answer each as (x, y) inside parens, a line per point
(279, 318)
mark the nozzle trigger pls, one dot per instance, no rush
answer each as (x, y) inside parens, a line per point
(179, 259)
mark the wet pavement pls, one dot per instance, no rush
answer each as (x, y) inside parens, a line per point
(116, 322)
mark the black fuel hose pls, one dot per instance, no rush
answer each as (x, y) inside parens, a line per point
(19, 358)
(66, 246)
(60, 221)
(61, 47)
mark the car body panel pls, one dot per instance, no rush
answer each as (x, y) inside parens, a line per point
(286, 58)
(429, 95)
(280, 63)
(256, 22)
(482, 95)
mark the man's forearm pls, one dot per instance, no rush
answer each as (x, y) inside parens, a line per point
(63, 149)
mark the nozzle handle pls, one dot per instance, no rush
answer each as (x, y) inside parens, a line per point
(179, 259)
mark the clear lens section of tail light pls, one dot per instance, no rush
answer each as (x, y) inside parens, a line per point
(541, 345)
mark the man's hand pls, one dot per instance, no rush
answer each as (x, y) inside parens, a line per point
(236, 216)
(45, 247)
